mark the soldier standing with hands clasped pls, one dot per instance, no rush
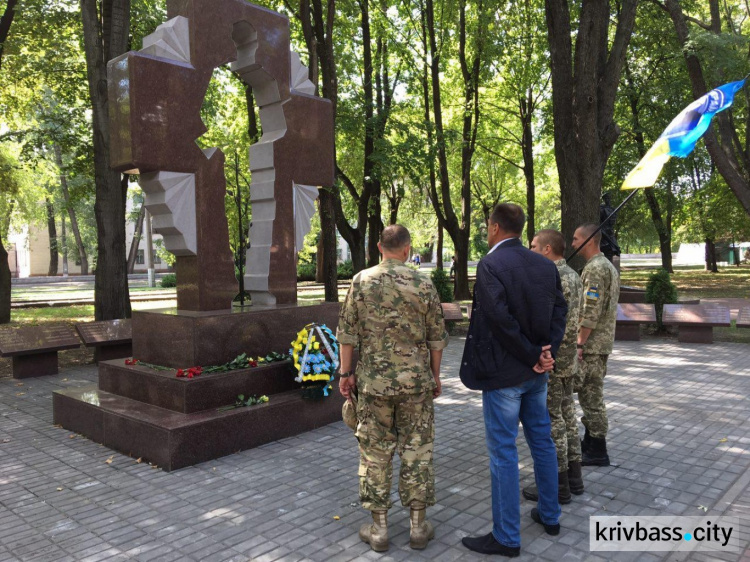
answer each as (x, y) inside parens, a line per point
(393, 315)
(596, 334)
(560, 401)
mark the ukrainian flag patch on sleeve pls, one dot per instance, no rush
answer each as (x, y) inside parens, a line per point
(592, 292)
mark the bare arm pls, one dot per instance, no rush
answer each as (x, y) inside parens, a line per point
(346, 384)
(436, 356)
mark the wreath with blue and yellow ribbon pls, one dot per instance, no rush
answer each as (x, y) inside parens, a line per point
(315, 354)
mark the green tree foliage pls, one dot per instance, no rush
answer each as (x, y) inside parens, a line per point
(442, 108)
(660, 291)
(443, 284)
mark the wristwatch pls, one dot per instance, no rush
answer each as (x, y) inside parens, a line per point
(579, 346)
(346, 374)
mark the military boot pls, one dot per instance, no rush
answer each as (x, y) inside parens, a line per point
(586, 441)
(575, 477)
(563, 490)
(421, 529)
(376, 533)
(596, 453)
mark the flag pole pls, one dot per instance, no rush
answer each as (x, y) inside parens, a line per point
(605, 221)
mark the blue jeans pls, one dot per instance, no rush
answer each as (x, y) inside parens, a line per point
(502, 410)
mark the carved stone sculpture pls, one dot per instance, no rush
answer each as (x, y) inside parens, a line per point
(155, 100)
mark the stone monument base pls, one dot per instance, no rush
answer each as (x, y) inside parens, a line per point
(177, 422)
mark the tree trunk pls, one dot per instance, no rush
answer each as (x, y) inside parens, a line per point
(458, 230)
(461, 273)
(439, 260)
(319, 273)
(375, 229)
(427, 120)
(368, 202)
(665, 236)
(584, 87)
(317, 29)
(665, 242)
(527, 148)
(136, 241)
(82, 256)
(5, 23)
(394, 202)
(328, 237)
(105, 38)
(52, 231)
(64, 237)
(5, 287)
(711, 256)
(731, 165)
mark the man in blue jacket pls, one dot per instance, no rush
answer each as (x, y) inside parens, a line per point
(517, 324)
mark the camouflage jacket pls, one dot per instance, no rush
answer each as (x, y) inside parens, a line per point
(566, 362)
(392, 313)
(601, 291)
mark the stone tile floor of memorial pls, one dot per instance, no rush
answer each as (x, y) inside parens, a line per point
(678, 417)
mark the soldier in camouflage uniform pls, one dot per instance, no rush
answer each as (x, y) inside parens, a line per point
(596, 334)
(560, 403)
(392, 314)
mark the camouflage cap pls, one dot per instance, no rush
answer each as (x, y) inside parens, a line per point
(349, 412)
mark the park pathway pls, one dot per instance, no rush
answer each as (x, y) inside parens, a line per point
(679, 418)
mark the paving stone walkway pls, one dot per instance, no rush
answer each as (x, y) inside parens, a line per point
(679, 416)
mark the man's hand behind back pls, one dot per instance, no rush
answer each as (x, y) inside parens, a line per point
(546, 362)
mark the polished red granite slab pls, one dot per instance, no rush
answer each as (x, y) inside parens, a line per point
(179, 339)
(209, 390)
(172, 440)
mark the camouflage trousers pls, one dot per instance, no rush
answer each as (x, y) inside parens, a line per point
(562, 416)
(385, 424)
(592, 371)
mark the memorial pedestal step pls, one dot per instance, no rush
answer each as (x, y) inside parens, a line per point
(173, 440)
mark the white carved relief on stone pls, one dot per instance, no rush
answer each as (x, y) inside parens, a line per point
(304, 209)
(274, 126)
(171, 40)
(300, 81)
(170, 198)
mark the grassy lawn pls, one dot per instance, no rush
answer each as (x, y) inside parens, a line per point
(72, 314)
(730, 282)
(53, 291)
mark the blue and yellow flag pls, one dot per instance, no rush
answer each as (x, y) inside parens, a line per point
(679, 138)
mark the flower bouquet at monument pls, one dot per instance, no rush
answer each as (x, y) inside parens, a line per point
(315, 353)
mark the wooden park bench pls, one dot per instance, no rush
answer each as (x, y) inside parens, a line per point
(34, 348)
(452, 311)
(111, 339)
(695, 321)
(743, 317)
(630, 316)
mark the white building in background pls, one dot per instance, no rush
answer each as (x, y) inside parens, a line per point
(343, 248)
(28, 251)
(695, 254)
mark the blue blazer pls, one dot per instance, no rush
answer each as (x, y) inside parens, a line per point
(518, 308)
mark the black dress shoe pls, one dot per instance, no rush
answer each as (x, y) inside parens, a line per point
(487, 544)
(549, 529)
